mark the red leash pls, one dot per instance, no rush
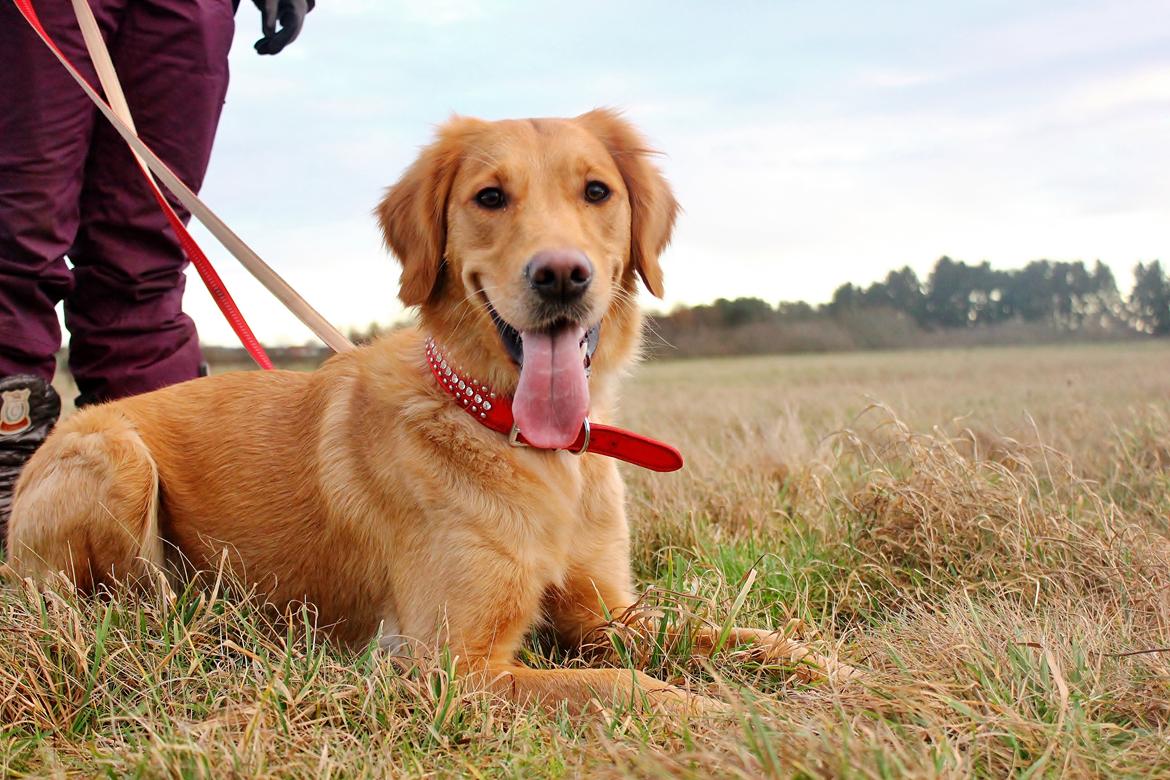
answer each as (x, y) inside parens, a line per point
(207, 273)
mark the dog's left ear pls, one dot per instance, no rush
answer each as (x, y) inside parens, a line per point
(652, 202)
(413, 215)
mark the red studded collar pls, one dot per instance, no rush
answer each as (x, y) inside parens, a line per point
(495, 412)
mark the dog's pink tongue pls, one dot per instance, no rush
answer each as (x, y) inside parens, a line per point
(552, 398)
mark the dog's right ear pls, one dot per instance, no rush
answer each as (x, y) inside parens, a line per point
(413, 214)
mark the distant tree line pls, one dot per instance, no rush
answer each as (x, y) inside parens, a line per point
(1064, 295)
(957, 303)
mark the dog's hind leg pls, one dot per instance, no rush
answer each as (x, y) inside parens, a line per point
(86, 505)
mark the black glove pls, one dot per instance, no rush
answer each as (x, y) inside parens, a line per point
(290, 14)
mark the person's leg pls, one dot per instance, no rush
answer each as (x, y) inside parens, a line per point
(128, 331)
(46, 123)
(45, 126)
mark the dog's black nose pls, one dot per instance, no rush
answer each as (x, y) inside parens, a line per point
(559, 275)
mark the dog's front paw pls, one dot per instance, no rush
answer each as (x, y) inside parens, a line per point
(806, 664)
(668, 701)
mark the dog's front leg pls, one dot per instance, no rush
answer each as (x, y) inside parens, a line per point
(590, 604)
(471, 594)
(772, 646)
(598, 584)
(598, 594)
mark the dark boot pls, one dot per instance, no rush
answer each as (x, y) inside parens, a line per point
(29, 408)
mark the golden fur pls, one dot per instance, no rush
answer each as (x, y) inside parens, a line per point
(361, 487)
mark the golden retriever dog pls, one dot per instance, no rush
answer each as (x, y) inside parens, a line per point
(365, 488)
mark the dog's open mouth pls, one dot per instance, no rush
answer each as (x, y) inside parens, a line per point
(552, 397)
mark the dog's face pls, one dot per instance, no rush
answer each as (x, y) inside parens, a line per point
(520, 240)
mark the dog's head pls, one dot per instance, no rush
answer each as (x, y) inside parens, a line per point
(521, 241)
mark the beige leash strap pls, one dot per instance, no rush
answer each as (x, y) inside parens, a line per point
(118, 112)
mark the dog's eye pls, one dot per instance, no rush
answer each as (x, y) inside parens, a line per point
(490, 198)
(595, 192)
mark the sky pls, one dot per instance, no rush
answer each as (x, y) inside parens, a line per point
(810, 144)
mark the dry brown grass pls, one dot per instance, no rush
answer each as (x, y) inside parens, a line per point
(991, 544)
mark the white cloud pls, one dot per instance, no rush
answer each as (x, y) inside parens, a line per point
(894, 78)
(1147, 87)
(444, 12)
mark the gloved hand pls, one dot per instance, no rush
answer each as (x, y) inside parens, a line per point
(290, 14)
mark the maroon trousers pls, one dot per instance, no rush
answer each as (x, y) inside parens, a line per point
(69, 187)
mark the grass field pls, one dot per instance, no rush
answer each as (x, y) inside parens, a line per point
(984, 532)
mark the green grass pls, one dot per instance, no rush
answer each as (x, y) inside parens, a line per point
(994, 554)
